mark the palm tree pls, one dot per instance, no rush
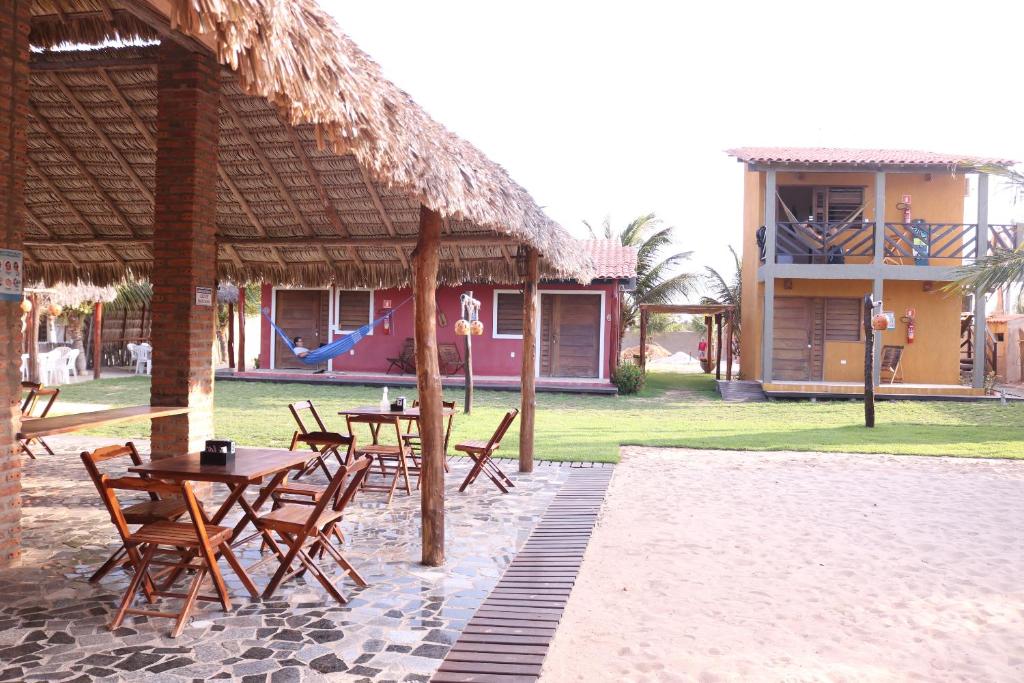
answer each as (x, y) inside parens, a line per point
(726, 291)
(656, 281)
(1005, 266)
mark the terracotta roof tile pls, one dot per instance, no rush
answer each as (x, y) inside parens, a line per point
(611, 259)
(866, 157)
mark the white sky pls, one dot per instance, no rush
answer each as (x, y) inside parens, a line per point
(620, 108)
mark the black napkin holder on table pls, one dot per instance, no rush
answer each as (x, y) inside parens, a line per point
(217, 453)
(398, 405)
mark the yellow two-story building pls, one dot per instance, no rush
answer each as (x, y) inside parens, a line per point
(825, 227)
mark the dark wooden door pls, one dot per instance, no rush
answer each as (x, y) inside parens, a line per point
(299, 313)
(570, 335)
(798, 349)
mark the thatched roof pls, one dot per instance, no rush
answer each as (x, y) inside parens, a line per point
(323, 162)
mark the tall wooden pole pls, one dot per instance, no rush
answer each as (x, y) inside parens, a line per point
(231, 335)
(730, 320)
(467, 399)
(643, 340)
(33, 339)
(425, 260)
(241, 330)
(869, 363)
(97, 339)
(709, 324)
(528, 379)
(718, 346)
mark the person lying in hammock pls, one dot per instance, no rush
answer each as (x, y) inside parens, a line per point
(299, 349)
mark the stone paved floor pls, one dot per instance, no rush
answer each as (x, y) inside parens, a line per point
(53, 623)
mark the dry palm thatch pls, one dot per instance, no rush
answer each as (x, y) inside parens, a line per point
(323, 162)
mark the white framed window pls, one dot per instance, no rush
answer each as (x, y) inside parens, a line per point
(507, 314)
(353, 308)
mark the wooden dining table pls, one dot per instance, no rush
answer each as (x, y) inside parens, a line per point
(250, 466)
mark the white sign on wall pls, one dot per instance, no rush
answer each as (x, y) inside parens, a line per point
(11, 275)
(204, 296)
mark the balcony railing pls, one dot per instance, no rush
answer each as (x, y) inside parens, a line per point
(916, 243)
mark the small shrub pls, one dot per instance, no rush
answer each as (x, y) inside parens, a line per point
(629, 378)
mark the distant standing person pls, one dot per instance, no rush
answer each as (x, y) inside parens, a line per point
(702, 349)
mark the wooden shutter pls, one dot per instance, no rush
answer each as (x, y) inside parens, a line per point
(353, 310)
(842, 319)
(510, 313)
(842, 201)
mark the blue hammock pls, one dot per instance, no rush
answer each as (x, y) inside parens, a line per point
(336, 347)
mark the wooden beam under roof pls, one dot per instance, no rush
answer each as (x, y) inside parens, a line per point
(34, 220)
(157, 15)
(314, 177)
(108, 144)
(381, 211)
(268, 166)
(71, 208)
(247, 210)
(367, 242)
(86, 174)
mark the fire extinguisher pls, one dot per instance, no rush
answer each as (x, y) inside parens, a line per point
(387, 321)
(909, 320)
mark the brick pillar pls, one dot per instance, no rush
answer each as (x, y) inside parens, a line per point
(184, 246)
(14, 84)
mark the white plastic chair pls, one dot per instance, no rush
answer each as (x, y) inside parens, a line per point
(71, 362)
(48, 363)
(143, 359)
(59, 365)
(24, 367)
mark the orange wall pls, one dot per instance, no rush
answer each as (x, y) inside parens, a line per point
(936, 198)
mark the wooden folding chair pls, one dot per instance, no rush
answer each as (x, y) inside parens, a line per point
(406, 360)
(449, 360)
(892, 358)
(412, 438)
(481, 452)
(392, 460)
(306, 531)
(191, 546)
(38, 395)
(156, 509)
(320, 440)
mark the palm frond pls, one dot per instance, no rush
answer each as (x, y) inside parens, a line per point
(1003, 267)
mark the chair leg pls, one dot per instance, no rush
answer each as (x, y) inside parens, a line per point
(190, 601)
(320, 576)
(28, 451)
(236, 566)
(133, 586)
(118, 558)
(294, 546)
(473, 473)
(46, 446)
(344, 564)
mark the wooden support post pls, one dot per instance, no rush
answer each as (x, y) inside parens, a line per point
(528, 377)
(426, 257)
(643, 340)
(241, 330)
(467, 399)
(869, 363)
(709, 324)
(33, 339)
(231, 336)
(718, 346)
(730, 321)
(97, 339)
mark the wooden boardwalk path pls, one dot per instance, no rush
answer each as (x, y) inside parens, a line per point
(508, 637)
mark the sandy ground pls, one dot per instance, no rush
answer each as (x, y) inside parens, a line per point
(724, 566)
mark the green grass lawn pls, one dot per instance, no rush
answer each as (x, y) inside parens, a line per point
(673, 410)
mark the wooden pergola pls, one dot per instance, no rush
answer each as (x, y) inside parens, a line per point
(242, 141)
(716, 317)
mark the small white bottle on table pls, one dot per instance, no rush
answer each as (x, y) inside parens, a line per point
(385, 404)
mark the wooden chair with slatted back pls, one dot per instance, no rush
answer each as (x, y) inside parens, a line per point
(481, 452)
(191, 546)
(37, 404)
(321, 440)
(306, 531)
(392, 459)
(155, 509)
(891, 364)
(412, 438)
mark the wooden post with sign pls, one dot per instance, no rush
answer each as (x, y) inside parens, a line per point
(869, 363)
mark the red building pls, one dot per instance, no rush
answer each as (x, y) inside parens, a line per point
(578, 325)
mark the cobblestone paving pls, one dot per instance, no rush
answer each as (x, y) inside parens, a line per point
(53, 623)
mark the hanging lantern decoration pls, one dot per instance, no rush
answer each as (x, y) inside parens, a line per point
(26, 306)
(880, 321)
(469, 323)
(54, 310)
